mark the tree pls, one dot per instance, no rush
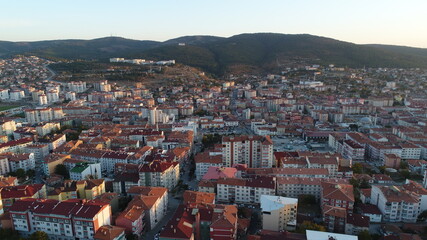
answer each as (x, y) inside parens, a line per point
(60, 169)
(404, 165)
(364, 184)
(357, 168)
(131, 236)
(423, 216)
(355, 183)
(364, 235)
(353, 127)
(39, 235)
(405, 173)
(8, 234)
(20, 173)
(307, 199)
(31, 173)
(307, 225)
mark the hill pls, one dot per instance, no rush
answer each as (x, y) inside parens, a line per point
(265, 51)
(422, 52)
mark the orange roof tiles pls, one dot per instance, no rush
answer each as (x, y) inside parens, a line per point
(198, 197)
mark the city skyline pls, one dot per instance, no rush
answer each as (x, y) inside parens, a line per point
(361, 22)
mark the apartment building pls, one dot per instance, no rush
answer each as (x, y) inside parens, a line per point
(108, 232)
(152, 200)
(334, 218)
(51, 161)
(7, 127)
(24, 161)
(159, 174)
(85, 170)
(356, 223)
(295, 186)
(418, 189)
(255, 151)
(198, 197)
(337, 195)
(40, 151)
(43, 115)
(245, 190)
(16, 146)
(204, 161)
(202, 221)
(71, 219)
(4, 166)
(279, 213)
(47, 128)
(289, 172)
(83, 189)
(352, 150)
(395, 203)
(11, 194)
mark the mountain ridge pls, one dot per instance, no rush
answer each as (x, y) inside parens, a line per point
(218, 54)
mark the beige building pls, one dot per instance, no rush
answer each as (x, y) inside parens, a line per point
(7, 128)
(51, 161)
(47, 128)
(279, 213)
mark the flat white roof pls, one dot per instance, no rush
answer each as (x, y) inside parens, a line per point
(317, 235)
(271, 203)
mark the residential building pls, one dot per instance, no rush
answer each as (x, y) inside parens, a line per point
(24, 161)
(71, 219)
(356, 223)
(159, 174)
(51, 161)
(202, 221)
(371, 211)
(318, 235)
(4, 166)
(108, 232)
(293, 187)
(86, 170)
(247, 190)
(84, 189)
(7, 127)
(204, 161)
(395, 203)
(40, 151)
(198, 197)
(150, 201)
(255, 151)
(337, 195)
(279, 213)
(11, 194)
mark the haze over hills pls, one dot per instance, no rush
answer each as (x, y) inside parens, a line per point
(217, 54)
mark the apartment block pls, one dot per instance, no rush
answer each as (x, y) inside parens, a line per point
(71, 219)
(255, 151)
(159, 174)
(395, 203)
(245, 190)
(279, 213)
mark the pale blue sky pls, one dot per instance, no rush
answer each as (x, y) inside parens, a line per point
(360, 21)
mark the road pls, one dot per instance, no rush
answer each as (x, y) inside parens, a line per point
(172, 206)
(174, 202)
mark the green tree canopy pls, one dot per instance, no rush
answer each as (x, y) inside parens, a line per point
(357, 168)
(60, 169)
(20, 173)
(39, 235)
(307, 225)
(364, 235)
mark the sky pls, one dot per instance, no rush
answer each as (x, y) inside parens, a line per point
(393, 22)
